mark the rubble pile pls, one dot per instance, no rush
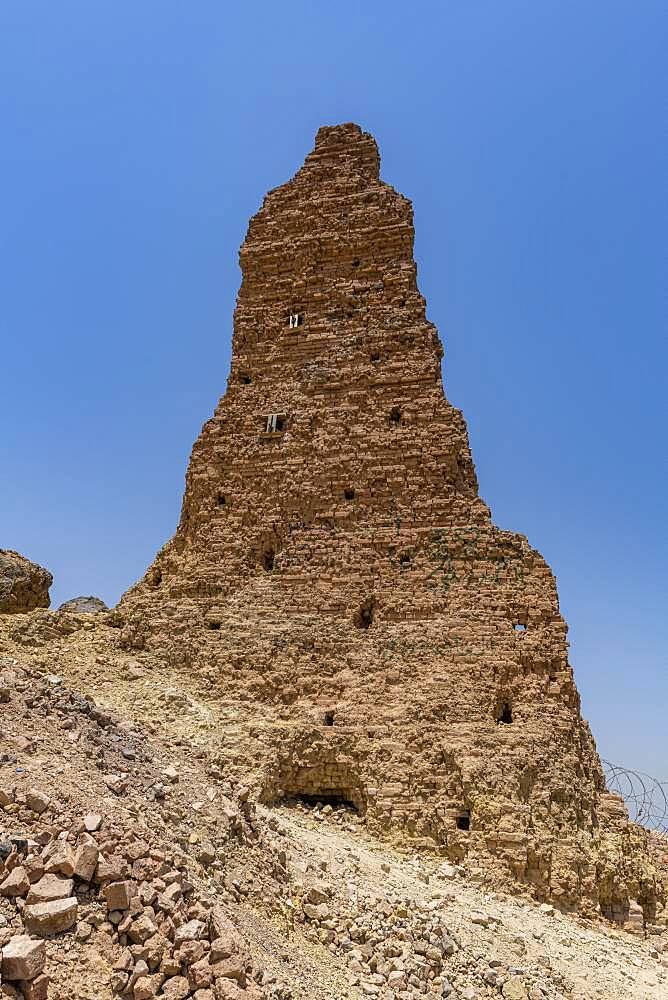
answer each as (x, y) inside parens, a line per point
(134, 898)
(398, 950)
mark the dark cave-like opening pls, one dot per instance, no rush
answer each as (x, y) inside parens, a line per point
(335, 799)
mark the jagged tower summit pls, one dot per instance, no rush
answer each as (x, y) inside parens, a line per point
(336, 576)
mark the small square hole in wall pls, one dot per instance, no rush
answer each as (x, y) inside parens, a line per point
(295, 320)
(349, 494)
(220, 500)
(245, 378)
(356, 263)
(505, 716)
(365, 614)
(464, 821)
(375, 356)
(214, 626)
(329, 718)
(520, 627)
(395, 415)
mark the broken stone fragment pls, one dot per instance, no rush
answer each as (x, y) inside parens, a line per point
(37, 800)
(139, 970)
(59, 858)
(16, 883)
(173, 892)
(118, 895)
(147, 987)
(318, 893)
(514, 989)
(34, 867)
(50, 887)
(396, 980)
(224, 946)
(226, 989)
(115, 783)
(125, 962)
(36, 989)
(200, 975)
(231, 968)
(207, 853)
(52, 917)
(7, 795)
(23, 958)
(222, 928)
(176, 988)
(92, 822)
(191, 952)
(110, 869)
(20, 843)
(169, 964)
(119, 982)
(190, 931)
(448, 946)
(319, 912)
(85, 858)
(84, 930)
(142, 929)
(136, 850)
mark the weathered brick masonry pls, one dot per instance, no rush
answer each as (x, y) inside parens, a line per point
(336, 575)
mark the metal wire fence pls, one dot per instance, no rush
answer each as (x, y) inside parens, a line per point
(646, 797)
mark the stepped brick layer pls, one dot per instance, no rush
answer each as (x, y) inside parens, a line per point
(336, 575)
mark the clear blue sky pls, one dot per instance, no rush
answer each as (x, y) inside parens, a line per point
(138, 136)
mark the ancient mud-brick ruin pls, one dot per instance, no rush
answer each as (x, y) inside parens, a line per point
(337, 578)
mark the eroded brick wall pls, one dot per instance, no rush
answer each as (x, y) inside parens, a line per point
(335, 570)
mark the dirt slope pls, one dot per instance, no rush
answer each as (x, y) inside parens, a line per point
(326, 910)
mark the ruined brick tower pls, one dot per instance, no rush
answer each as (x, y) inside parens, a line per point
(336, 575)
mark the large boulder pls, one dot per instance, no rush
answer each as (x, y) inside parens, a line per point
(24, 585)
(84, 605)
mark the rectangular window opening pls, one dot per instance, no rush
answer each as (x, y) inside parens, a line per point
(275, 423)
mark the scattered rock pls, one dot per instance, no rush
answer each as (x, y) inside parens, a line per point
(23, 958)
(50, 887)
(52, 917)
(16, 883)
(37, 800)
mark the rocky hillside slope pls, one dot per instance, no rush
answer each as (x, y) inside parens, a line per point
(135, 862)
